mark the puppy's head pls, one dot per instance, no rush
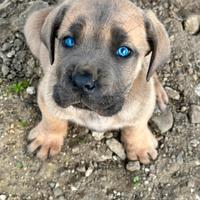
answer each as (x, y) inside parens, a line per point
(97, 49)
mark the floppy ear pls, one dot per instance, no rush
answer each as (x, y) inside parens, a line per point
(50, 29)
(158, 41)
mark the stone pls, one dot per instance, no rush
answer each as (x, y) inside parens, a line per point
(116, 147)
(192, 24)
(133, 166)
(3, 197)
(33, 6)
(173, 94)
(10, 54)
(57, 192)
(6, 46)
(98, 136)
(108, 135)
(164, 121)
(194, 114)
(197, 90)
(89, 171)
(81, 169)
(5, 70)
(30, 90)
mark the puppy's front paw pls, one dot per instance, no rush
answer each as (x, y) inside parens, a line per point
(45, 142)
(141, 147)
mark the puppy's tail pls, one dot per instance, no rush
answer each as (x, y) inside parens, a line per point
(32, 29)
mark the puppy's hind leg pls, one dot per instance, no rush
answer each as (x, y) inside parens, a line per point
(47, 138)
(32, 29)
(161, 95)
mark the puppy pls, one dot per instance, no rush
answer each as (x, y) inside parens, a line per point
(99, 59)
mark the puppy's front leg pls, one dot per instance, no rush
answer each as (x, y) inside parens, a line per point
(139, 143)
(48, 136)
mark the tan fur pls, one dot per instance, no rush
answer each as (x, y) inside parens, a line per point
(139, 103)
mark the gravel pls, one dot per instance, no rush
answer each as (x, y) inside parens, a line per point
(98, 136)
(173, 94)
(133, 166)
(195, 114)
(164, 120)
(3, 197)
(89, 171)
(116, 147)
(192, 24)
(197, 90)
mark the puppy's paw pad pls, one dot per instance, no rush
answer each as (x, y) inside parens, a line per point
(44, 143)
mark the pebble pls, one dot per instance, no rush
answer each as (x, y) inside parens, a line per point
(192, 24)
(57, 192)
(98, 136)
(61, 198)
(173, 94)
(81, 169)
(164, 121)
(133, 166)
(75, 150)
(5, 70)
(6, 46)
(89, 171)
(108, 135)
(30, 90)
(3, 197)
(10, 54)
(116, 147)
(197, 90)
(194, 114)
(194, 143)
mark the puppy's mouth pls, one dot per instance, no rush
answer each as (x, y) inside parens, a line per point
(103, 105)
(82, 106)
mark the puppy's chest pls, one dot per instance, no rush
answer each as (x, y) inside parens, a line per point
(94, 121)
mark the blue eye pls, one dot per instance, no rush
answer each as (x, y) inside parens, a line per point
(124, 52)
(69, 42)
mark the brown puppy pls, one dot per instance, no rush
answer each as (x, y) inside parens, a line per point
(98, 59)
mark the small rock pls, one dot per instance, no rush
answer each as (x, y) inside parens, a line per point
(10, 54)
(108, 135)
(133, 166)
(106, 156)
(192, 24)
(61, 198)
(6, 46)
(195, 114)
(5, 70)
(81, 169)
(164, 121)
(194, 143)
(3, 197)
(75, 149)
(57, 192)
(179, 158)
(173, 94)
(197, 89)
(98, 136)
(52, 185)
(30, 90)
(116, 147)
(89, 171)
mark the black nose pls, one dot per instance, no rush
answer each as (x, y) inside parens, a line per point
(84, 81)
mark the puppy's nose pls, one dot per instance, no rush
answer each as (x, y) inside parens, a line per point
(84, 81)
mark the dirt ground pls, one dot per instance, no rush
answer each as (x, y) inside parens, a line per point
(86, 168)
